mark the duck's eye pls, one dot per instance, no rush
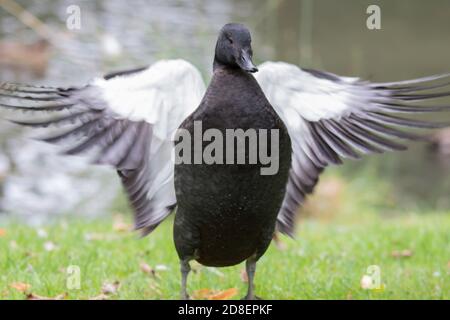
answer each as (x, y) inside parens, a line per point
(230, 40)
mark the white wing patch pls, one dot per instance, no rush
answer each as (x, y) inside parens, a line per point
(162, 95)
(294, 88)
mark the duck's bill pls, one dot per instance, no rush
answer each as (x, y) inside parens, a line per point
(246, 64)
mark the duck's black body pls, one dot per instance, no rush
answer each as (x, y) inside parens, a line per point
(227, 213)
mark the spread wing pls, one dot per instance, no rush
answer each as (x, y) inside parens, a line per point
(330, 118)
(125, 120)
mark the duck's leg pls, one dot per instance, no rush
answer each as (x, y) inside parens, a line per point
(185, 268)
(250, 267)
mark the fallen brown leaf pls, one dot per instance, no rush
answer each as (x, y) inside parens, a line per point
(209, 294)
(224, 295)
(100, 237)
(101, 296)
(406, 253)
(149, 270)
(20, 286)
(145, 268)
(29, 254)
(395, 254)
(33, 296)
(120, 225)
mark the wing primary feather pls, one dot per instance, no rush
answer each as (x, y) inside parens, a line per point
(70, 119)
(341, 148)
(327, 153)
(310, 149)
(115, 135)
(111, 136)
(371, 137)
(137, 152)
(119, 150)
(406, 82)
(352, 139)
(297, 184)
(90, 141)
(417, 88)
(391, 119)
(399, 108)
(72, 132)
(309, 172)
(22, 88)
(371, 125)
(56, 107)
(31, 98)
(419, 97)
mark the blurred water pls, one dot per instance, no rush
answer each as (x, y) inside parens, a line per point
(114, 35)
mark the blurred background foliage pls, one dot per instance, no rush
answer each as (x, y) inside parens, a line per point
(331, 35)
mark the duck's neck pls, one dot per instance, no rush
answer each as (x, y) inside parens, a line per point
(217, 65)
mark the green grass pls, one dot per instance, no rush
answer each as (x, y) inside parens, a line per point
(327, 260)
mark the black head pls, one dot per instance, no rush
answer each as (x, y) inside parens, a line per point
(233, 48)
